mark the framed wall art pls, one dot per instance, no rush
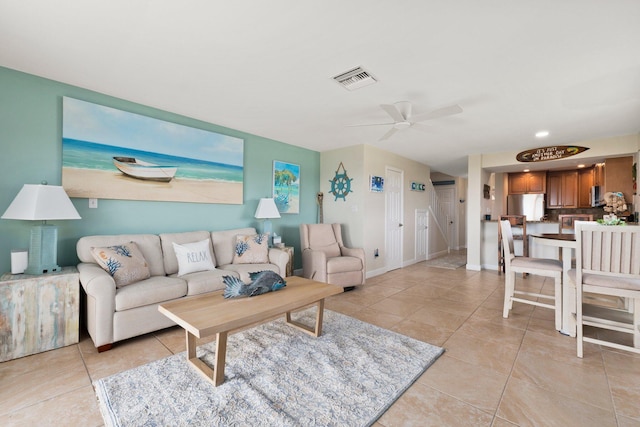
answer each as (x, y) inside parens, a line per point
(286, 186)
(113, 154)
(376, 184)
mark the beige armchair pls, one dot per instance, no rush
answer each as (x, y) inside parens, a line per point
(326, 259)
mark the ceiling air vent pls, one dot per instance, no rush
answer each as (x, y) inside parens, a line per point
(355, 79)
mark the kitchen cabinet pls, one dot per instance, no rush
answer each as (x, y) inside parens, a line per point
(562, 189)
(585, 182)
(527, 182)
(618, 176)
(598, 174)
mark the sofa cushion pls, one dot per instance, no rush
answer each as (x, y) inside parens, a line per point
(206, 281)
(224, 243)
(243, 270)
(194, 257)
(169, 255)
(149, 245)
(252, 249)
(124, 262)
(150, 291)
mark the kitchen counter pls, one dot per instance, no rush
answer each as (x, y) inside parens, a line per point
(489, 254)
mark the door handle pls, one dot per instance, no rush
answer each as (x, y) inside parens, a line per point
(401, 225)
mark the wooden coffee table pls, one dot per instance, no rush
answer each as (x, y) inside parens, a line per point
(204, 315)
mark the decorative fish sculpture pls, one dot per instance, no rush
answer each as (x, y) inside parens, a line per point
(261, 283)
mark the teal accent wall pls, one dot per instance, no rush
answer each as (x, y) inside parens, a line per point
(31, 141)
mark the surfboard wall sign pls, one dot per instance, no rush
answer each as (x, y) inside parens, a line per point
(554, 152)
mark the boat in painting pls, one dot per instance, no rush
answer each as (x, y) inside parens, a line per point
(139, 169)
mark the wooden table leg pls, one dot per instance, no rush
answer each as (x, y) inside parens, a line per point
(215, 375)
(317, 331)
(221, 356)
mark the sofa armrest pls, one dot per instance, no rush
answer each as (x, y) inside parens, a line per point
(97, 282)
(279, 258)
(101, 302)
(314, 265)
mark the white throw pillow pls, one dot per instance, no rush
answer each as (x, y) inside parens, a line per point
(193, 257)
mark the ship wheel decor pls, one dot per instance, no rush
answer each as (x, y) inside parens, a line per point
(341, 184)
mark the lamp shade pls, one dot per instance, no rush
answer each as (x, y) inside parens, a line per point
(41, 202)
(267, 209)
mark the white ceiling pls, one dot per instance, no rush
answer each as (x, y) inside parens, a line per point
(266, 67)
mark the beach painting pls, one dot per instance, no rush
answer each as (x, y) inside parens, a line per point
(113, 154)
(286, 187)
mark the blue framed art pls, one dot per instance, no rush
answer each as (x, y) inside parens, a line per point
(286, 187)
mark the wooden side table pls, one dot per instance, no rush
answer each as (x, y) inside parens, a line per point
(38, 312)
(289, 250)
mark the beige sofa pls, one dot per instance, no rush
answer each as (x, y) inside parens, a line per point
(117, 313)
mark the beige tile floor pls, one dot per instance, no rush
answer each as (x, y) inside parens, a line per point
(495, 371)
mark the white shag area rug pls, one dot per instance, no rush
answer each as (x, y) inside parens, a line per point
(276, 375)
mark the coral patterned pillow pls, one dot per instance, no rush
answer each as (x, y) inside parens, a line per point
(124, 262)
(252, 249)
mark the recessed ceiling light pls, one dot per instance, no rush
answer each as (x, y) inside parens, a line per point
(542, 134)
(525, 170)
(580, 166)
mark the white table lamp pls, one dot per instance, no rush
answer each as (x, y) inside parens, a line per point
(41, 203)
(267, 210)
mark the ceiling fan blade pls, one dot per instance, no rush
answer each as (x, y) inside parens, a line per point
(421, 127)
(393, 112)
(370, 124)
(440, 112)
(388, 134)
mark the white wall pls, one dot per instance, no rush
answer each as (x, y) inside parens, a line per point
(461, 220)
(348, 211)
(363, 212)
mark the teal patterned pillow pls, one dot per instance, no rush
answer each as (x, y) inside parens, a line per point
(124, 262)
(252, 249)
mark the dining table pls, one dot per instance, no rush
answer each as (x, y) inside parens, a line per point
(567, 243)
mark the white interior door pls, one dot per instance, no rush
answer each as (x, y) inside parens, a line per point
(422, 234)
(446, 196)
(393, 218)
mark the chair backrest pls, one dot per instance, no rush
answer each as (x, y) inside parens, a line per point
(507, 242)
(567, 221)
(608, 250)
(322, 237)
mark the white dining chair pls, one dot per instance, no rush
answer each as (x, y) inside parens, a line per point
(536, 266)
(607, 263)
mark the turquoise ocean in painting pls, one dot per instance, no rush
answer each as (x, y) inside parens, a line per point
(90, 155)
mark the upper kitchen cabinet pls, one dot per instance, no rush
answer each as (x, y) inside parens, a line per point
(562, 189)
(527, 182)
(618, 176)
(598, 174)
(585, 182)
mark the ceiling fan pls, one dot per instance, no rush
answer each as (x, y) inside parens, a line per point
(400, 112)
